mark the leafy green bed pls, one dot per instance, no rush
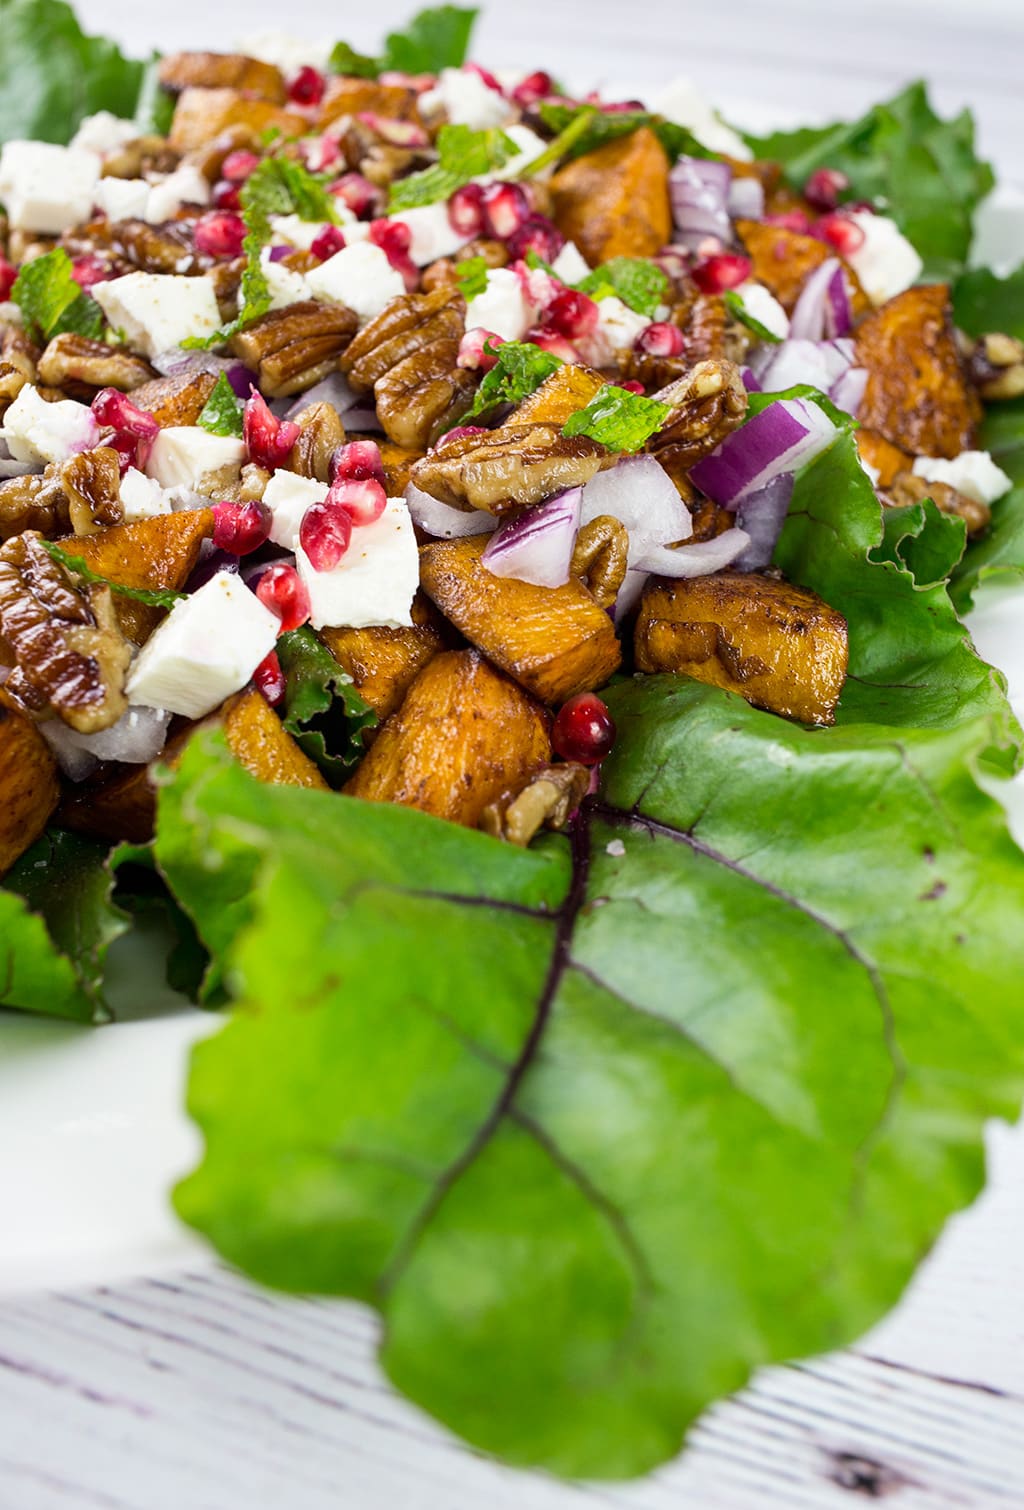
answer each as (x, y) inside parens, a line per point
(601, 1126)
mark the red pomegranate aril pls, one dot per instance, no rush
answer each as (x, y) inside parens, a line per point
(226, 196)
(358, 461)
(392, 236)
(268, 439)
(550, 340)
(716, 274)
(328, 241)
(269, 679)
(583, 730)
(357, 194)
(324, 534)
(86, 272)
(283, 591)
(840, 232)
(505, 207)
(536, 86)
(486, 75)
(573, 314)
(307, 87)
(458, 432)
(823, 188)
(320, 153)
(395, 133)
(241, 528)
(8, 274)
(220, 234)
(362, 498)
(112, 407)
(465, 210)
(473, 352)
(536, 234)
(632, 385)
(661, 340)
(238, 165)
(790, 220)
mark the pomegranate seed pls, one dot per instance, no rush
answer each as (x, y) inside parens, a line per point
(328, 241)
(320, 153)
(392, 236)
(111, 407)
(307, 87)
(792, 220)
(536, 234)
(505, 207)
(129, 451)
(238, 165)
(535, 87)
(324, 534)
(357, 194)
(472, 349)
(363, 499)
(241, 528)
(716, 274)
(269, 679)
(841, 232)
(823, 188)
(268, 439)
(631, 385)
(418, 82)
(661, 340)
(583, 730)
(226, 196)
(573, 314)
(86, 271)
(283, 591)
(358, 461)
(219, 234)
(465, 210)
(395, 133)
(550, 340)
(460, 432)
(622, 107)
(486, 75)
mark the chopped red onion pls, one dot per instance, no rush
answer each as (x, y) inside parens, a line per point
(444, 522)
(699, 188)
(745, 200)
(781, 438)
(762, 515)
(750, 382)
(847, 393)
(698, 560)
(537, 545)
(174, 360)
(820, 364)
(640, 494)
(823, 308)
(279, 253)
(137, 738)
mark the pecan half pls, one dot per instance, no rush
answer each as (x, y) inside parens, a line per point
(70, 358)
(505, 469)
(166, 248)
(322, 434)
(37, 502)
(71, 658)
(253, 484)
(599, 557)
(707, 403)
(92, 482)
(408, 324)
(294, 348)
(547, 801)
(907, 488)
(423, 396)
(17, 368)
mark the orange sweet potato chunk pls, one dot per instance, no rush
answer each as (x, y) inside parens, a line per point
(614, 202)
(346, 96)
(222, 70)
(881, 454)
(202, 114)
(383, 663)
(783, 260)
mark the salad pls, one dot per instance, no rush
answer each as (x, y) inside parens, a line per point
(485, 567)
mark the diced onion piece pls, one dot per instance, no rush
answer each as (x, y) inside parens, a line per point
(537, 546)
(823, 308)
(781, 438)
(762, 515)
(847, 393)
(820, 364)
(444, 522)
(698, 188)
(137, 738)
(745, 199)
(698, 560)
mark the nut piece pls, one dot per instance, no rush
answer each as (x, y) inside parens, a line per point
(36, 502)
(906, 488)
(92, 482)
(507, 468)
(71, 658)
(322, 433)
(75, 359)
(547, 801)
(253, 484)
(707, 403)
(599, 557)
(996, 363)
(17, 366)
(175, 400)
(218, 70)
(294, 348)
(166, 248)
(402, 328)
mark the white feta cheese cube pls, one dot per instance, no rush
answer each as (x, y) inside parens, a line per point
(122, 198)
(466, 100)
(617, 323)
(433, 234)
(301, 233)
(38, 432)
(186, 185)
(761, 304)
(374, 582)
(187, 456)
(287, 51)
(529, 145)
(972, 473)
(104, 132)
(47, 188)
(360, 276)
(208, 647)
(570, 265)
(288, 496)
(158, 310)
(142, 497)
(682, 103)
(886, 263)
(502, 308)
(284, 284)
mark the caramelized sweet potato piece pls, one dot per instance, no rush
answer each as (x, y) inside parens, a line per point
(345, 96)
(28, 784)
(783, 260)
(918, 394)
(384, 663)
(259, 740)
(202, 114)
(881, 454)
(398, 463)
(614, 202)
(151, 553)
(562, 394)
(117, 803)
(463, 735)
(222, 70)
(555, 641)
(781, 647)
(177, 400)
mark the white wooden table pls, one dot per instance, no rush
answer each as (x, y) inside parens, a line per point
(199, 1392)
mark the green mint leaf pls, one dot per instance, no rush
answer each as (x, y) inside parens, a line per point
(153, 597)
(603, 127)
(323, 711)
(222, 412)
(154, 111)
(735, 305)
(637, 281)
(353, 65)
(435, 38)
(471, 276)
(618, 419)
(536, 261)
(760, 400)
(51, 301)
(463, 154)
(520, 369)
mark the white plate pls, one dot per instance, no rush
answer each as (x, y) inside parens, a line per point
(92, 1129)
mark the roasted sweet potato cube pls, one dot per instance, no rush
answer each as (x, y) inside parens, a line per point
(29, 789)
(117, 803)
(151, 553)
(398, 464)
(384, 663)
(222, 70)
(258, 739)
(202, 114)
(614, 202)
(887, 459)
(783, 260)
(463, 735)
(781, 647)
(176, 400)
(348, 96)
(555, 641)
(562, 394)
(918, 396)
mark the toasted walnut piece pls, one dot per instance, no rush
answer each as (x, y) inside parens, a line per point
(996, 366)
(253, 484)
(405, 326)
(26, 246)
(381, 161)
(145, 154)
(92, 482)
(445, 269)
(505, 469)
(599, 558)
(175, 400)
(34, 502)
(13, 379)
(293, 348)
(707, 404)
(322, 433)
(424, 395)
(70, 358)
(28, 780)
(547, 801)
(166, 248)
(219, 70)
(202, 114)
(906, 488)
(71, 656)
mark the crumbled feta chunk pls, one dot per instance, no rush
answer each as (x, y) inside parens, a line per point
(39, 432)
(288, 496)
(207, 648)
(529, 145)
(761, 304)
(466, 100)
(158, 310)
(615, 848)
(46, 188)
(683, 104)
(570, 265)
(142, 497)
(619, 324)
(374, 582)
(886, 263)
(502, 308)
(187, 456)
(301, 233)
(972, 473)
(287, 51)
(433, 234)
(360, 276)
(122, 198)
(186, 185)
(284, 284)
(104, 132)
